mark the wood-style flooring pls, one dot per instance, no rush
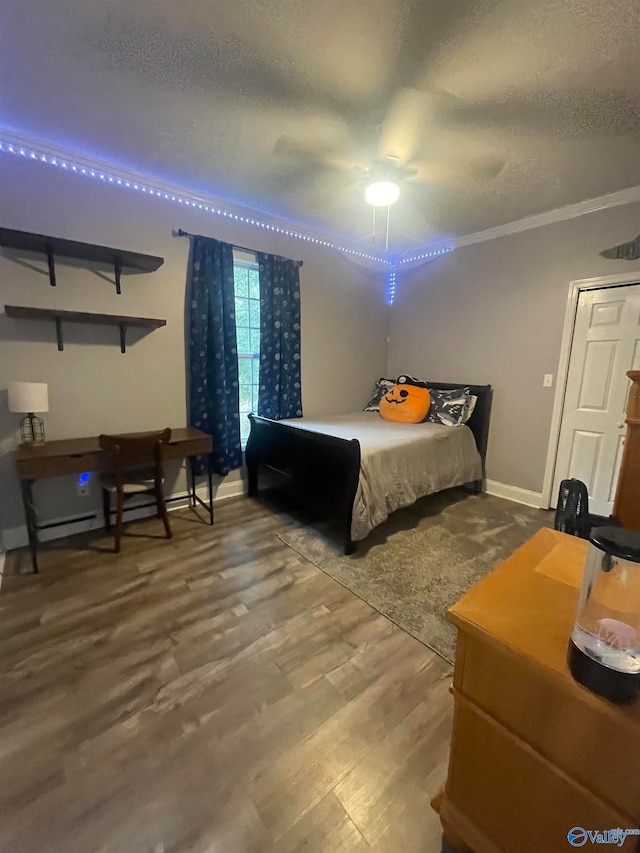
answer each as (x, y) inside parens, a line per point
(212, 693)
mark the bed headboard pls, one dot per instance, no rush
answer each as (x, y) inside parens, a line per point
(479, 420)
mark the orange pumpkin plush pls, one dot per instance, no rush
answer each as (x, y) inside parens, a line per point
(407, 402)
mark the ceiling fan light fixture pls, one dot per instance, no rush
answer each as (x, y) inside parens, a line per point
(382, 193)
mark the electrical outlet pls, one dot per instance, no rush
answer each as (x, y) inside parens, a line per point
(547, 382)
(82, 484)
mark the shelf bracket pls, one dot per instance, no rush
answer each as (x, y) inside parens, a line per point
(59, 334)
(123, 337)
(118, 270)
(52, 268)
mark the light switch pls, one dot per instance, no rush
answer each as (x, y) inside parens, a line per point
(547, 382)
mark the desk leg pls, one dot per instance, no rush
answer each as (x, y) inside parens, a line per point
(210, 484)
(192, 481)
(32, 524)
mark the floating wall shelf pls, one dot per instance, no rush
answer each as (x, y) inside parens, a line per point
(21, 312)
(120, 259)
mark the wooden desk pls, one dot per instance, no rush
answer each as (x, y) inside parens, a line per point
(533, 753)
(77, 455)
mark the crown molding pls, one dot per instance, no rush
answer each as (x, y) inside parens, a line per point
(630, 195)
(560, 214)
(38, 150)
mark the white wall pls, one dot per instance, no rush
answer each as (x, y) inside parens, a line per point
(493, 313)
(94, 388)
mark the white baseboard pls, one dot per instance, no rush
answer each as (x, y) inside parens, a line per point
(515, 493)
(16, 537)
(225, 490)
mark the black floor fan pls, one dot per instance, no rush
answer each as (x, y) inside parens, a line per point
(572, 513)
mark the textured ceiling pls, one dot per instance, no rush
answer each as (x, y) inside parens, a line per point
(199, 92)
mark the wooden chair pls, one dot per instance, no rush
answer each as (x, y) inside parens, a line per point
(137, 470)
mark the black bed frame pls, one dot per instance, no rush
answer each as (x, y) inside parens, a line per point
(322, 471)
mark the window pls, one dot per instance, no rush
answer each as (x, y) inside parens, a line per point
(247, 297)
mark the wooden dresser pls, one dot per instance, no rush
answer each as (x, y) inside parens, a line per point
(533, 753)
(627, 503)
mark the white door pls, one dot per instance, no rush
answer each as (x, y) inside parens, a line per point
(606, 344)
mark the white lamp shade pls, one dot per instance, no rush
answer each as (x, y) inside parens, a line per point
(382, 193)
(28, 397)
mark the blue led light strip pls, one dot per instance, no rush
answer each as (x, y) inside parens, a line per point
(391, 286)
(425, 255)
(107, 174)
(99, 173)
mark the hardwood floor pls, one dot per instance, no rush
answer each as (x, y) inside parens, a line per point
(215, 692)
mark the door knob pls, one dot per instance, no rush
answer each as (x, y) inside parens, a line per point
(620, 426)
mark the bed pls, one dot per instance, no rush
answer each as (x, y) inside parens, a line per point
(358, 468)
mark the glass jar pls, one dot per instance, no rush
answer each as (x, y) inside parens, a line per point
(604, 650)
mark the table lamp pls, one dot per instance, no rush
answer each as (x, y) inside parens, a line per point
(29, 397)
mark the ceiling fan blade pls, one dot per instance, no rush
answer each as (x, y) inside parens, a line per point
(431, 29)
(288, 146)
(312, 152)
(402, 125)
(410, 113)
(479, 168)
(315, 187)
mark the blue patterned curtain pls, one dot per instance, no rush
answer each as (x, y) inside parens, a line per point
(280, 393)
(213, 362)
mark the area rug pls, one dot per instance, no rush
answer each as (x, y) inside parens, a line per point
(424, 558)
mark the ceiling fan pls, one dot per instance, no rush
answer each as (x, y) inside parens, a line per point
(395, 165)
(398, 140)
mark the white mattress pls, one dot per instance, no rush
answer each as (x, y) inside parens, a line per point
(399, 462)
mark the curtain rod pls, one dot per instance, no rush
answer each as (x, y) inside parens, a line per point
(181, 233)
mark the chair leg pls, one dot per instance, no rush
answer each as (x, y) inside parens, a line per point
(119, 509)
(162, 512)
(106, 508)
